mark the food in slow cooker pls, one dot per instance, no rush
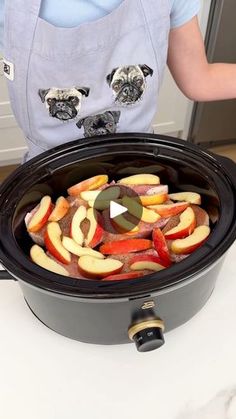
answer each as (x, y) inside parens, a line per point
(76, 236)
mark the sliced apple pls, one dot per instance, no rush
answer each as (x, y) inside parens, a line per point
(52, 240)
(185, 227)
(191, 197)
(102, 204)
(90, 195)
(60, 210)
(161, 247)
(147, 200)
(40, 217)
(135, 209)
(39, 257)
(110, 193)
(169, 210)
(125, 246)
(122, 225)
(88, 185)
(125, 276)
(70, 245)
(98, 268)
(143, 262)
(191, 243)
(141, 179)
(76, 232)
(95, 232)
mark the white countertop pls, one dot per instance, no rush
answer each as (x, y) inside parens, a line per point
(46, 376)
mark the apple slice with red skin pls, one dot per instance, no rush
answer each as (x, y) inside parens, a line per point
(149, 262)
(169, 210)
(185, 227)
(75, 230)
(125, 246)
(126, 257)
(201, 215)
(39, 257)
(70, 245)
(60, 210)
(88, 185)
(95, 232)
(161, 247)
(98, 268)
(141, 179)
(109, 194)
(41, 216)
(125, 276)
(52, 240)
(191, 197)
(191, 243)
(147, 200)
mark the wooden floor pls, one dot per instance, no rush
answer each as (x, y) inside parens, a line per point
(227, 151)
(6, 171)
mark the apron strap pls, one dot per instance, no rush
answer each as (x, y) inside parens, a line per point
(23, 13)
(149, 7)
(20, 21)
(30, 6)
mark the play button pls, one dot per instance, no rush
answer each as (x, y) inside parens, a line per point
(116, 209)
(112, 213)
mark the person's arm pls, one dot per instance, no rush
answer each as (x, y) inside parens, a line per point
(196, 78)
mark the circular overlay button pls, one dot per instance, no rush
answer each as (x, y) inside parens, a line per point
(121, 209)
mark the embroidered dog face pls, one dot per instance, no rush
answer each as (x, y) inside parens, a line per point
(129, 83)
(63, 104)
(100, 124)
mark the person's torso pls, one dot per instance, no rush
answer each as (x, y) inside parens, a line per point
(97, 78)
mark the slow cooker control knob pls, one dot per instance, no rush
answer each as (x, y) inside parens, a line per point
(147, 335)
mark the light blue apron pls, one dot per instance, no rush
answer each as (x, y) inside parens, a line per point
(100, 77)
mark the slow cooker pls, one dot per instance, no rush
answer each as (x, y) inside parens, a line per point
(138, 310)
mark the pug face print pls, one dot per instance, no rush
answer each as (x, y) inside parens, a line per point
(100, 124)
(63, 104)
(129, 83)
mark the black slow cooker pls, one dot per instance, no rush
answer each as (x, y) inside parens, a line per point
(117, 312)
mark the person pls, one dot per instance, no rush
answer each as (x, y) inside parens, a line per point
(80, 68)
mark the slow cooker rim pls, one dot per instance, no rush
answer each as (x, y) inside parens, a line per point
(219, 251)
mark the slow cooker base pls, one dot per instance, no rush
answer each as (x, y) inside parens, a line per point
(68, 336)
(62, 333)
(107, 322)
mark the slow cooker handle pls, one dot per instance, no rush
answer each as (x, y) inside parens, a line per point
(229, 164)
(5, 275)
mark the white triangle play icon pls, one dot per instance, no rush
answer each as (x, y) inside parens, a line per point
(116, 209)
